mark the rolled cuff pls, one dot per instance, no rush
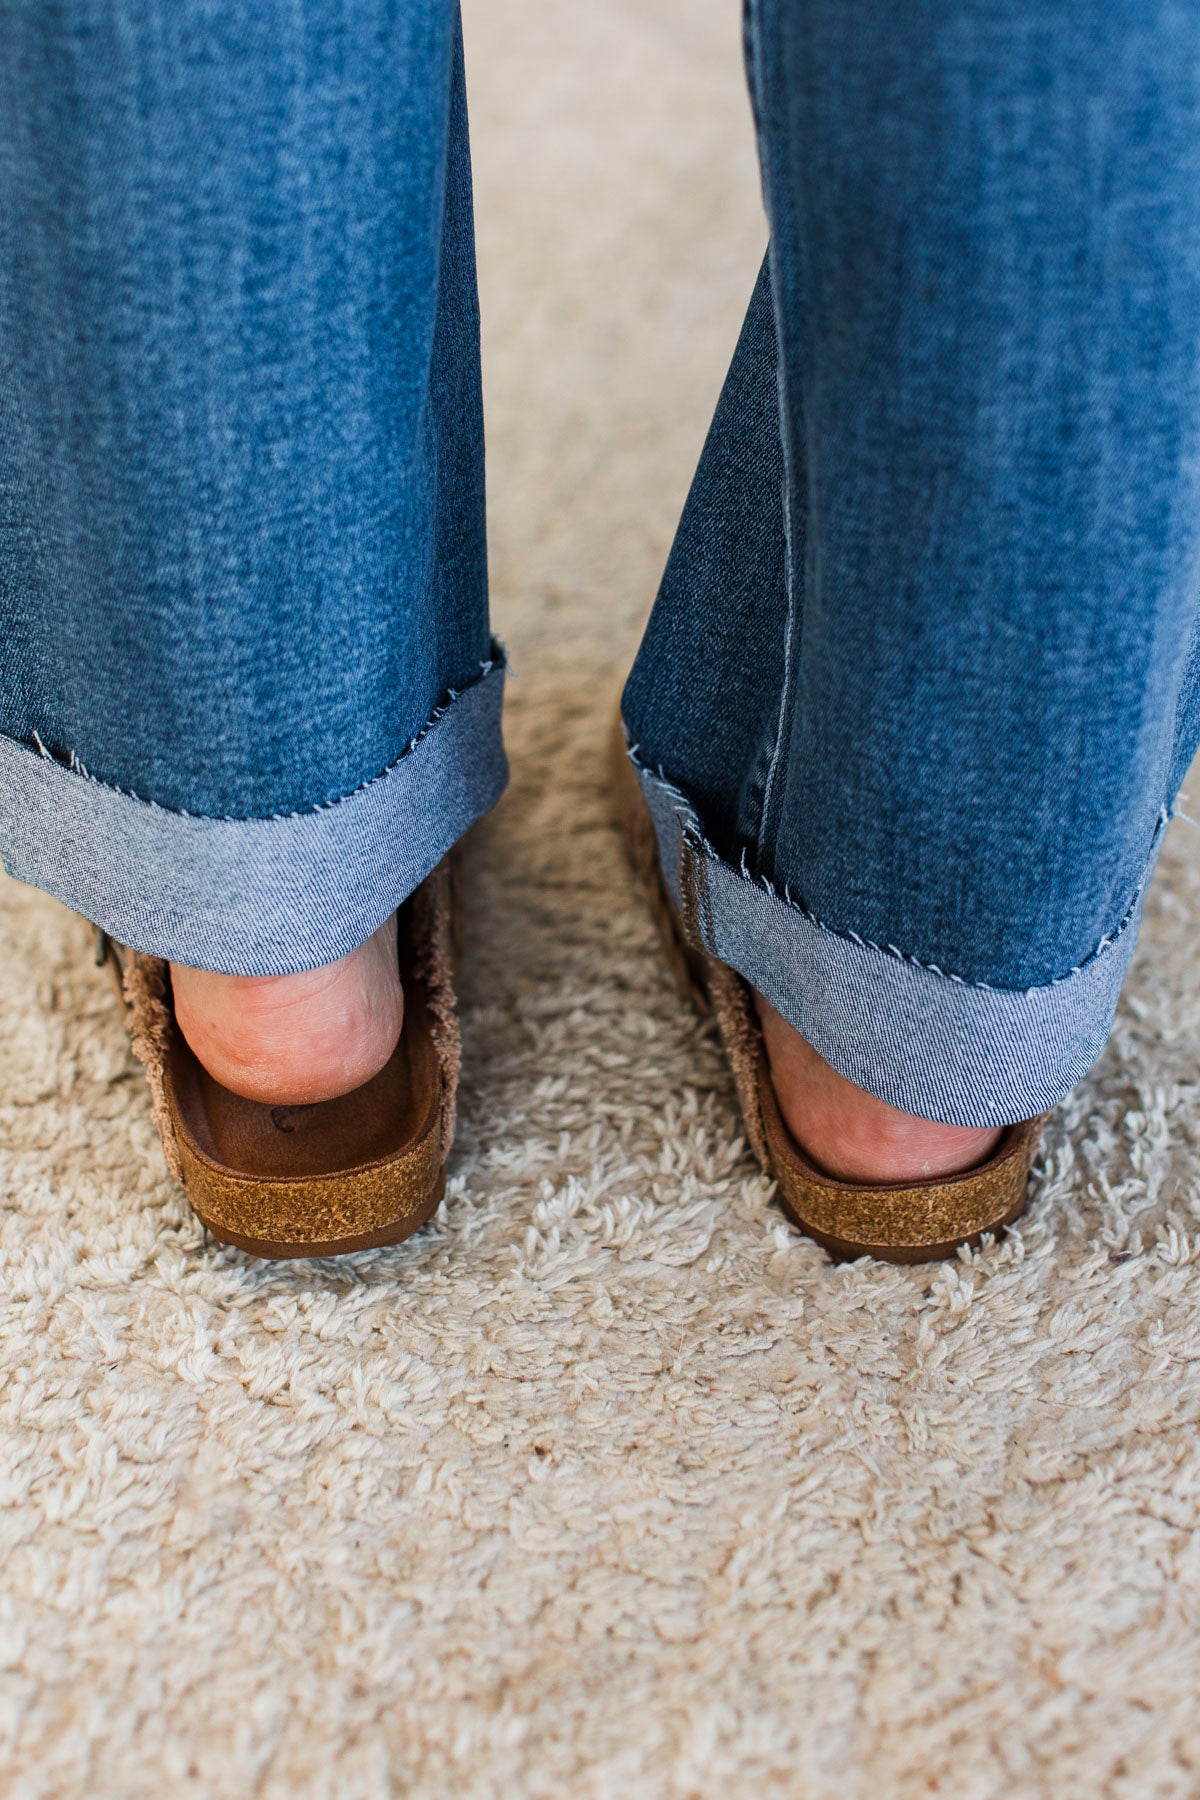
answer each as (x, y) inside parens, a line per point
(924, 1040)
(254, 896)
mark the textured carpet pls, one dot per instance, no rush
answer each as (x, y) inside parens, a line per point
(608, 1484)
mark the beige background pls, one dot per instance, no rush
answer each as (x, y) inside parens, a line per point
(608, 1484)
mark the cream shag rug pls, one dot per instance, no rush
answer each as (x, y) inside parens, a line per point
(609, 1484)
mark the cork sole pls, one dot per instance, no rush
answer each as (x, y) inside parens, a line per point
(394, 1233)
(910, 1255)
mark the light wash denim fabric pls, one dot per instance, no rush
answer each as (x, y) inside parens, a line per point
(242, 559)
(923, 675)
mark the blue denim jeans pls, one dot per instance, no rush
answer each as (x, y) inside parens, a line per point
(247, 693)
(924, 672)
(923, 675)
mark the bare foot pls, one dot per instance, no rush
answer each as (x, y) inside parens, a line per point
(849, 1133)
(290, 1040)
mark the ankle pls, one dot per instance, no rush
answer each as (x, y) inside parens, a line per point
(851, 1134)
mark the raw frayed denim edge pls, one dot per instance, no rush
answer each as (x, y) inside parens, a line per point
(255, 896)
(931, 1043)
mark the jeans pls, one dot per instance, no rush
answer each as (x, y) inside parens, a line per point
(247, 693)
(923, 675)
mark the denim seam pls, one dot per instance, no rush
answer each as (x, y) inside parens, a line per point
(695, 894)
(73, 764)
(782, 734)
(691, 833)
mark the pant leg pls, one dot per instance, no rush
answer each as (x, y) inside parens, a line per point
(248, 697)
(923, 675)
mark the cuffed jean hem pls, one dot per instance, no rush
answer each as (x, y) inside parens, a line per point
(929, 1042)
(255, 896)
